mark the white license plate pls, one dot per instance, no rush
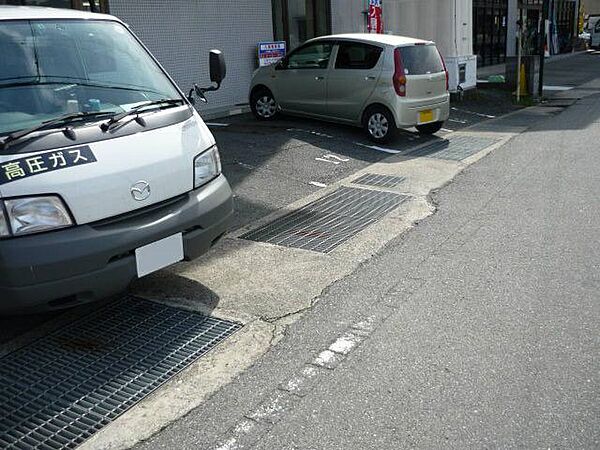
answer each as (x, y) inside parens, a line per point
(159, 254)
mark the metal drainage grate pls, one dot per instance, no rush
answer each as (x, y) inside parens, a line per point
(454, 148)
(328, 222)
(58, 391)
(373, 179)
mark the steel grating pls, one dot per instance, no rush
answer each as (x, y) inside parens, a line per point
(328, 222)
(454, 148)
(374, 179)
(58, 391)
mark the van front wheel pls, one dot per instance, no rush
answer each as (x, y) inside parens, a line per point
(264, 106)
(430, 128)
(379, 124)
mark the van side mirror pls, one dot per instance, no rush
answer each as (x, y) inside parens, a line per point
(218, 70)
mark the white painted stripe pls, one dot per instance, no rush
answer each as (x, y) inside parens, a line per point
(324, 358)
(216, 124)
(317, 184)
(379, 149)
(558, 88)
(487, 116)
(345, 344)
(446, 130)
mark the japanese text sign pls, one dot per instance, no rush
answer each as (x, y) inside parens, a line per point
(17, 169)
(270, 52)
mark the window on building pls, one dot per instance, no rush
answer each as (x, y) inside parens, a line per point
(357, 56)
(489, 31)
(296, 21)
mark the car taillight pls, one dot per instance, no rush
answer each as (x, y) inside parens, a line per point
(445, 70)
(399, 75)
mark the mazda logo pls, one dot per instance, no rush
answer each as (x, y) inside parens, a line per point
(140, 191)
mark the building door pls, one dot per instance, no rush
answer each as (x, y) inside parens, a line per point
(296, 21)
(85, 5)
(489, 31)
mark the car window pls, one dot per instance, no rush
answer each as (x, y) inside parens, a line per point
(314, 56)
(421, 60)
(357, 56)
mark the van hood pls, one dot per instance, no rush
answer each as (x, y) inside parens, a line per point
(98, 180)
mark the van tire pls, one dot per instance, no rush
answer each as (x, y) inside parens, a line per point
(263, 105)
(379, 124)
(430, 128)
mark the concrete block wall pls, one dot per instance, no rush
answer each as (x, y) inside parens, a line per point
(180, 34)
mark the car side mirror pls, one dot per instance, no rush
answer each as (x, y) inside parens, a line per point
(218, 70)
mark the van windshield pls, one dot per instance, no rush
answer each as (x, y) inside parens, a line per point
(421, 60)
(57, 67)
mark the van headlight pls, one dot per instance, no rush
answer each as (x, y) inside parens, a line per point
(33, 215)
(207, 166)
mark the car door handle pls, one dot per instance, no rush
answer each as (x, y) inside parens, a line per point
(319, 78)
(369, 78)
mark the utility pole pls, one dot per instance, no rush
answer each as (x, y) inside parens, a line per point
(544, 39)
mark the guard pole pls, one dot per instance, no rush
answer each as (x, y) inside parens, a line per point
(544, 38)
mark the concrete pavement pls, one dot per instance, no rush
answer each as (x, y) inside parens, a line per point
(481, 321)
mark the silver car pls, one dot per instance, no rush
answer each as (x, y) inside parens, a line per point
(379, 82)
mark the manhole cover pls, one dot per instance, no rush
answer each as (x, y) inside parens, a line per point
(454, 148)
(328, 222)
(58, 391)
(373, 179)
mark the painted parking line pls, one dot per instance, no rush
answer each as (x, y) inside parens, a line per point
(380, 149)
(487, 116)
(558, 88)
(217, 124)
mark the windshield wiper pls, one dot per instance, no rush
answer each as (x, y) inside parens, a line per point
(167, 102)
(49, 124)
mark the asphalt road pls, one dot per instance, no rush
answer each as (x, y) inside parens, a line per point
(482, 322)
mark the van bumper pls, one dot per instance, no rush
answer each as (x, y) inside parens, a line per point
(91, 262)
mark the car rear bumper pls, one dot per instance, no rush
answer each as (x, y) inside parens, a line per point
(91, 262)
(407, 112)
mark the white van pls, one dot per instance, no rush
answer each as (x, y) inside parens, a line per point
(107, 172)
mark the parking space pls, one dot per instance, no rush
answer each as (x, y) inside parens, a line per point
(271, 165)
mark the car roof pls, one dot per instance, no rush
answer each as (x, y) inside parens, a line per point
(386, 39)
(40, 13)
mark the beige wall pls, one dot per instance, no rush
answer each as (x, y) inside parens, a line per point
(591, 6)
(425, 19)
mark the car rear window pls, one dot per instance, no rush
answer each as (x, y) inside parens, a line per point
(421, 60)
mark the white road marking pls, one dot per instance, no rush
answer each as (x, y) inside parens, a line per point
(345, 344)
(317, 184)
(328, 161)
(325, 357)
(216, 124)
(333, 159)
(446, 130)
(380, 149)
(558, 88)
(487, 116)
(457, 121)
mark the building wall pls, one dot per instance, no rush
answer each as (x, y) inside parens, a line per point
(591, 6)
(425, 19)
(180, 34)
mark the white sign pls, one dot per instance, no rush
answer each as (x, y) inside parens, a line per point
(270, 52)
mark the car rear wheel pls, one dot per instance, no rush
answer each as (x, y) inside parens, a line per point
(264, 106)
(379, 124)
(430, 128)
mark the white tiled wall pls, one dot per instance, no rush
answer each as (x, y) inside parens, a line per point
(181, 32)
